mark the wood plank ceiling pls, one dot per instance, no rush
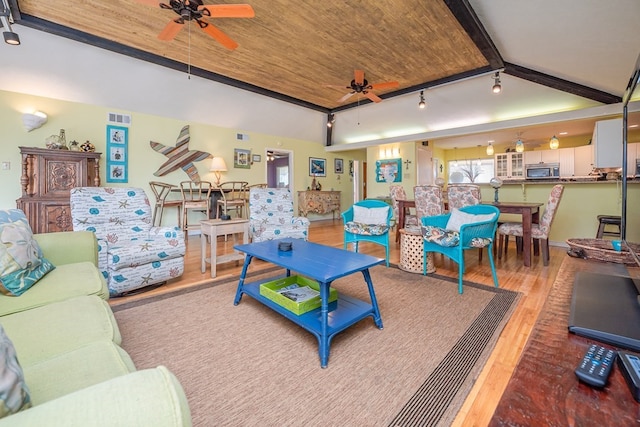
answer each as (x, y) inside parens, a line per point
(292, 50)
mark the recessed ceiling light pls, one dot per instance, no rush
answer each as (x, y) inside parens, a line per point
(563, 133)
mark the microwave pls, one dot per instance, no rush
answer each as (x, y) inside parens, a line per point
(542, 171)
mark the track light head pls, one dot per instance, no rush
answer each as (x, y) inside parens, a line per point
(422, 104)
(497, 87)
(331, 119)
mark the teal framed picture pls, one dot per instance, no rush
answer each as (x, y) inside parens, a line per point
(389, 170)
(117, 154)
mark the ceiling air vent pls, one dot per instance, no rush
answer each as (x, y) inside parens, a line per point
(119, 119)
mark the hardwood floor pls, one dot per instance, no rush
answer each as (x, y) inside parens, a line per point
(534, 283)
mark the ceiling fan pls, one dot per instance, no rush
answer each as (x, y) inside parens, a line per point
(361, 85)
(194, 10)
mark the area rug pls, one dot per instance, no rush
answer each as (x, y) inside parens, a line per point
(246, 365)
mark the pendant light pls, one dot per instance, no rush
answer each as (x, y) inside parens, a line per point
(490, 150)
(422, 104)
(554, 143)
(519, 146)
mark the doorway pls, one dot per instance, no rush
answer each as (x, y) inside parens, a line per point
(279, 170)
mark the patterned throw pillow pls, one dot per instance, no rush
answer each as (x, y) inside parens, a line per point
(440, 236)
(21, 260)
(14, 393)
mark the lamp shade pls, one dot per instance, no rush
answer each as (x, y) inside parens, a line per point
(519, 146)
(554, 143)
(218, 165)
(490, 150)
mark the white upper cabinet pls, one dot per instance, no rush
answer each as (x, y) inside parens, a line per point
(583, 160)
(607, 144)
(541, 156)
(566, 157)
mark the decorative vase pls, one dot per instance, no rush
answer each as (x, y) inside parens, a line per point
(74, 146)
(62, 140)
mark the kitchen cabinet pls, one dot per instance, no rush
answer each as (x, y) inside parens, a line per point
(607, 144)
(509, 166)
(582, 160)
(541, 156)
(566, 159)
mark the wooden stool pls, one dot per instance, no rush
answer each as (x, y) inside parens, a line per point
(605, 220)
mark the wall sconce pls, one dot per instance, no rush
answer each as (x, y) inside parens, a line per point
(497, 87)
(218, 165)
(554, 143)
(490, 150)
(33, 120)
(519, 146)
(331, 119)
(422, 104)
(5, 18)
(396, 152)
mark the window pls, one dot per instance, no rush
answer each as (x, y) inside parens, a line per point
(468, 171)
(283, 176)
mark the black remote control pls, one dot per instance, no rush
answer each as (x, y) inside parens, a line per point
(596, 366)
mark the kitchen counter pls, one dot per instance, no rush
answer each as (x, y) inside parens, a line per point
(573, 180)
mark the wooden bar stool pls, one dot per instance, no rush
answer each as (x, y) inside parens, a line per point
(605, 220)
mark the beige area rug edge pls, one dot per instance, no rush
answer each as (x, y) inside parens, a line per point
(364, 360)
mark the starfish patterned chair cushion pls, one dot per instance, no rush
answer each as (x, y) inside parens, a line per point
(271, 215)
(132, 253)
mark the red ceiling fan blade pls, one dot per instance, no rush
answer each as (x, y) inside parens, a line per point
(347, 96)
(228, 10)
(384, 85)
(171, 30)
(214, 32)
(372, 96)
(359, 77)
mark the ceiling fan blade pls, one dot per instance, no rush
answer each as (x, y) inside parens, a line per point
(359, 77)
(372, 96)
(228, 10)
(337, 86)
(384, 85)
(149, 2)
(221, 37)
(347, 96)
(171, 30)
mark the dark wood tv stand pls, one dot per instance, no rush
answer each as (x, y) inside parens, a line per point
(543, 389)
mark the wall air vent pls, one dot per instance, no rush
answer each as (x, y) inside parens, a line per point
(119, 118)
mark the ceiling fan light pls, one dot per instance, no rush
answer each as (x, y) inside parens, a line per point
(554, 143)
(490, 150)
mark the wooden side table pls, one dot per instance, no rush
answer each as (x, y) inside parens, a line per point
(212, 228)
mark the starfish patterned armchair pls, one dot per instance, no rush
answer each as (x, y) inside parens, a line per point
(271, 216)
(132, 254)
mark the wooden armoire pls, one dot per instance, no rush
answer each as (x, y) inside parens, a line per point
(47, 179)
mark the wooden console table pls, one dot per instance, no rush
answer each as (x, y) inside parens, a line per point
(320, 202)
(47, 179)
(544, 389)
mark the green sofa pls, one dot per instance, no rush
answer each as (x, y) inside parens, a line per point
(68, 345)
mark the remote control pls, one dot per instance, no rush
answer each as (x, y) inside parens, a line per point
(596, 365)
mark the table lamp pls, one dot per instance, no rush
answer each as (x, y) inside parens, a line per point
(218, 165)
(496, 183)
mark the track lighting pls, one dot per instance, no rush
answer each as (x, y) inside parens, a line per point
(497, 87)
(554, 143)
(331, 119)
(422, 104)
(5, 18)
(490, 150)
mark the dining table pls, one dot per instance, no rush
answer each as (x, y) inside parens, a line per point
(529, 211)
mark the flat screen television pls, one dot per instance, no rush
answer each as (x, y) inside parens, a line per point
(604, 307)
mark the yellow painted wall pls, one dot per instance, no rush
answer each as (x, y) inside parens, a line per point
(84, 122)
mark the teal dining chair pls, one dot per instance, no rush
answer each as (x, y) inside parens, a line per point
(469, 227)
(368, 221)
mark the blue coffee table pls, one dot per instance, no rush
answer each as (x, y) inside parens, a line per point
(323, 264)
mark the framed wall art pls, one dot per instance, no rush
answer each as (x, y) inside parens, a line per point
(317, 167)
(389, 170)
(241, 158)
(338, 165)
(117, 154)
(256, 158)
